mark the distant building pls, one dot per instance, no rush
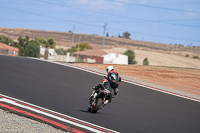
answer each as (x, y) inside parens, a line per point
(101, 57)
(113, 58)
(91, 56)
(64, 58)
(51, 52)
(8, 50)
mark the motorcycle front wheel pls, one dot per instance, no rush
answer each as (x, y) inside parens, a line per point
(97, 105)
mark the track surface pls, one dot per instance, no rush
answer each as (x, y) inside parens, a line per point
(66, 90)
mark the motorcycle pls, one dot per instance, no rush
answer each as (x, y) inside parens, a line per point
(102, 97)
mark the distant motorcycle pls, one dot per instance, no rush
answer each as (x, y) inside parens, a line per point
(103, 96)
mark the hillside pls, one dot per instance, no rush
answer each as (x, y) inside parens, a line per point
(157, 53)
(63, 38)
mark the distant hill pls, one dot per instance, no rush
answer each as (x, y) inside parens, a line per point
(63, 38)
(158, 54)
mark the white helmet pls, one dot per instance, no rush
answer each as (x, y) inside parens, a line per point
(109, 68)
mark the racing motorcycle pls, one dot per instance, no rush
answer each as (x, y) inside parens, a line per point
(102, 97)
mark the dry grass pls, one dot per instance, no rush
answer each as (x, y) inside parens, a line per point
(185, 80)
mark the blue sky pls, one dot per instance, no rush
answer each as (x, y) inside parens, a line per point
(172, 21)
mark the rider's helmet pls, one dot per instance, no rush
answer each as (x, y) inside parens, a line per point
(109, 68)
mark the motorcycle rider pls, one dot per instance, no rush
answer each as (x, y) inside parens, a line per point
(113, 78)
(103, 85)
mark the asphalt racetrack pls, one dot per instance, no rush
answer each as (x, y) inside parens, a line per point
(66, 90)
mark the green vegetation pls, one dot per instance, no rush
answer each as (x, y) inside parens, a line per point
(61, 51)
(49, 43)
(7, 40)
(119, 36)
(187, 55)
(145, 61)
(107, 35)
(80, 47)
(131, 56)
(195, 57)
(27, 47)
(32, 49)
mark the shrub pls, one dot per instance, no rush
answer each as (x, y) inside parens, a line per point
(134, 62)
(32, 49)
(61, 51)
(195, 57)
(131, 56)
(186, 55)
(145, 61)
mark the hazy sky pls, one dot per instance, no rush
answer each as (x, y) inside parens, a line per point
(171, 21)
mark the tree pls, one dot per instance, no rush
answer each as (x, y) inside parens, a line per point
(126, 35)
(81, 47)
(6, 40)
(119, 36)
(145, 61)
(22, 45)
(46, 53)
(32, 49)
(131, 56)
(107, 35)
(21, 41)
(42, 41)
(61, 51)
(27, 39)
(51, 42)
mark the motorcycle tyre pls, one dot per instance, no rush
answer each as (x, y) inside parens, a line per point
(96, 107)
(112, 92)
(111, 95)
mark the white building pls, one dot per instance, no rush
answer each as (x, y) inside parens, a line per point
(65, 58)
(113, 58)
(51, 54)
(42, 50)
(50, 51)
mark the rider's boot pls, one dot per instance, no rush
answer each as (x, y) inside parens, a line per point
(105, 102)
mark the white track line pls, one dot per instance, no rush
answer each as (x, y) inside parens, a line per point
(54, 116)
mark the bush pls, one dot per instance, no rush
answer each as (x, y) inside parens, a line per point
(47, 43)
(195, 57)
(131, 56)
(32, 49)
(134, 62)
(186, 55)
(81, 47)
(145, 61)
(61, 51)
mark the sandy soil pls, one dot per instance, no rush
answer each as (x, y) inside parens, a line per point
(160, 59)
(178, 79)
